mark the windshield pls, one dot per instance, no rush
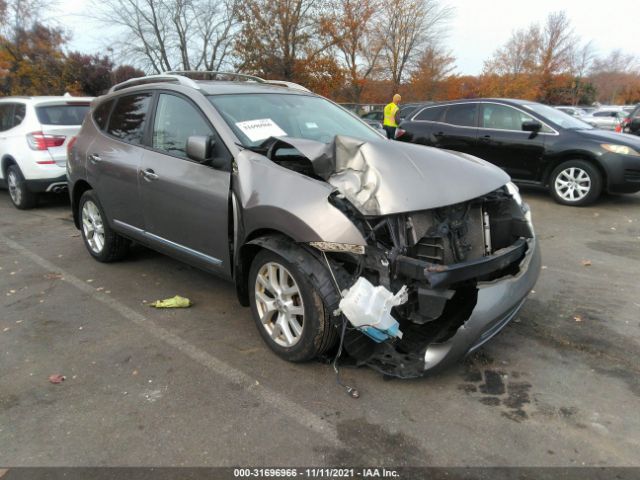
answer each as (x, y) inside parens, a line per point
(254, 117)
(556, 116)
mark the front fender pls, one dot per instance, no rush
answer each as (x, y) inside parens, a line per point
(272, 197)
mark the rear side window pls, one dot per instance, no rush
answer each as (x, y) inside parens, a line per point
(101, 114)
(463, 115)
(18, 114)
(6, 116)
(433, 114)
(66, 114)
(128, 119)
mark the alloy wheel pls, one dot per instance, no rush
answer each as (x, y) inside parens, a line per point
(93, 226)
(279, 304)
(14, 188)
(572, 184)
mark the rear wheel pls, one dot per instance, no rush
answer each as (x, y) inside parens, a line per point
(101, 241)
(575, 182)
(289, 307)
(20, 195)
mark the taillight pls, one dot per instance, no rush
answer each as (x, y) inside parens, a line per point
(41, 141)
(618, 128)
(400, 132)
(70, 145)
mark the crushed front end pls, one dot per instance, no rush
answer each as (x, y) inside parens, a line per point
(447, 253)
(466, 268)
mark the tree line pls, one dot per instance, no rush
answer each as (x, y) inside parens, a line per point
(34, 60)
(355, 51)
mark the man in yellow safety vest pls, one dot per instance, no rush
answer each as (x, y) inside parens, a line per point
(391, 116)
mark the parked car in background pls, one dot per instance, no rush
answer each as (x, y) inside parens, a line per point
(307, 210)
(634, 127)
(573, 111)
(534, 143)
(375, 116)
(625, 125)
(407, 108)
(34, 134)
(605, 118)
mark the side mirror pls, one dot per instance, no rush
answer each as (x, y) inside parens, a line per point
(531, 126)
(634, 126)
(199, 148)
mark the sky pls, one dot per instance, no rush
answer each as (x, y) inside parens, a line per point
(477, 28)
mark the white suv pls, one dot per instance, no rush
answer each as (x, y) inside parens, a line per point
(34, 134)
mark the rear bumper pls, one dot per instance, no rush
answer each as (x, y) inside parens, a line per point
(498, 303)
(57, 184)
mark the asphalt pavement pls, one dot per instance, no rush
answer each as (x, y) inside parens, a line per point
(559, 386)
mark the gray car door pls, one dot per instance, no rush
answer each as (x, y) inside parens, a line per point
(185, 202)
(113, 162)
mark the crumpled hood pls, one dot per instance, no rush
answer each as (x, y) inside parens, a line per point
(384, 177)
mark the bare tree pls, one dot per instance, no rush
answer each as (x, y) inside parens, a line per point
(582, 61)
(532, 59)
(357, 42)
(614, 75)
(162, 35)
(616, 61)
(407, 27)
(518, 56)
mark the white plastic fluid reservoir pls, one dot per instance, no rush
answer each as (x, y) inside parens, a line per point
(369, 309)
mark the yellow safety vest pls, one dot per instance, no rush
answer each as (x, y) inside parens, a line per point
(390, 115)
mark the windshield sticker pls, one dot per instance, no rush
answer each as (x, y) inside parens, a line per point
(260, 129)
(311, 125)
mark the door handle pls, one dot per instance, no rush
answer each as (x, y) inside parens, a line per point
(95, 158)
(149, 175)
(438, 134)
(485, 138)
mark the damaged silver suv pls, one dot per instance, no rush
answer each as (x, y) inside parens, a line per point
(405, 256)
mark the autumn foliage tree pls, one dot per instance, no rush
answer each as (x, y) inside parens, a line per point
(538, 63)
(434, 67)
(283, 39)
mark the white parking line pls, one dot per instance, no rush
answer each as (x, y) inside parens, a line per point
(274, 399)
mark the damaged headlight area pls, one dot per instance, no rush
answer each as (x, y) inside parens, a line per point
(422, 270)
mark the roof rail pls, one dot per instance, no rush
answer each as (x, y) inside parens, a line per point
(188, 77)
(212, 74)
(282, 83)
(182, 80)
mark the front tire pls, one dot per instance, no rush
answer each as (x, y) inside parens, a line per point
(20, 195)
(101, 241)
(289, 308)
(576, 183)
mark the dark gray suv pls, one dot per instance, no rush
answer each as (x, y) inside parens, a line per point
(405, 256)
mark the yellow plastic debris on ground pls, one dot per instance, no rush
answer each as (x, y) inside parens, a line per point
(175, 302)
